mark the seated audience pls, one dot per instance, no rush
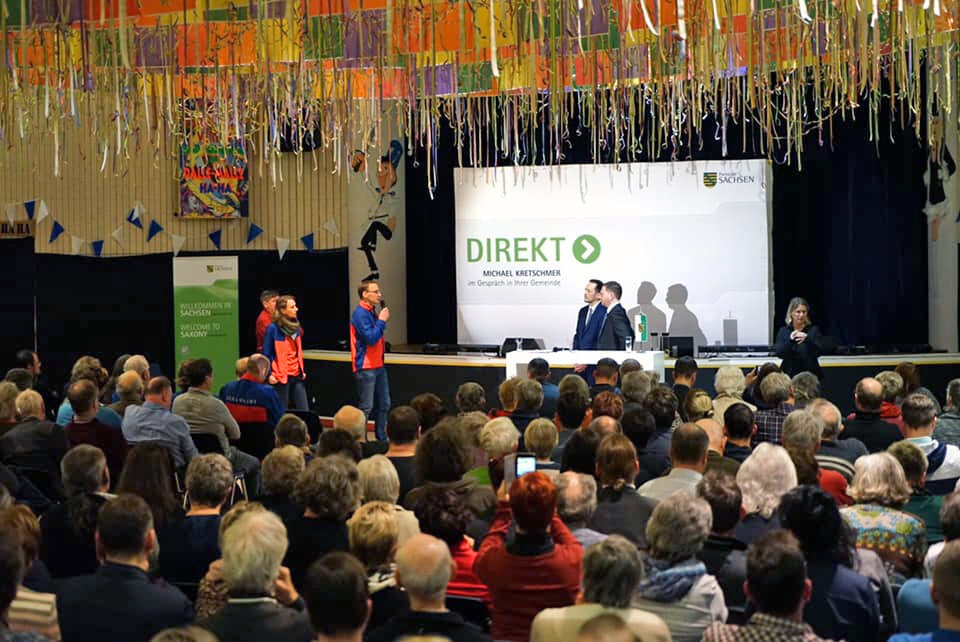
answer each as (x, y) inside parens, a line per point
(605, 425)
(922, 502)
(108, 390)
(67, 545)
(373, 533)
(498, 438)
(580, 453)
(539, 370)
(338, 441)
(866, 423)
(11, 572)
(763, 479)
(189, 544)
(443, 516)
(424, 569)
(605, 628)
(129, 392)
(184, 634)
(688, 456)
(573, 413)
(892, 384)
(329, 491)
(88, 368)
(723, 554)
(540, 438)
(154, 422)
(85, 428)
(843, 604)
(628, 366)
(605, 377)
(777, 391)
(507, 395)
(697, 405)
(716, 443)
(729, 382)
(336, 595)
(754, 379)
(291, 430)
(34, 609)
(837, 451)
(430, 409)
(470, 425)
(675, 584)
(352, 419)
(943, 460)
(638, 425)
(620, 508)
(739, 428)
(949, 521)
(612, 569)
(910, 374)
(948, 423)
(944, 592)
(684, 378)
(403, 430)
(280, 469)
(634, 386)
(662, 404)
(539, 568)
(35, 442)
(576, 504)
(20, 377)
(379, 483)
(249, 399)
(148, 473)
(259, 592)
(529, 402)
(806, 388)
(607, 404)
(802, 431)
(778, 588)
(471, 397)
(119, 602)
(879, 491)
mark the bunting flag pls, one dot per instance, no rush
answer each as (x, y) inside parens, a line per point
(331, 227)
(30, 206)
(117, 235)
(254, 232)
(97, 247)
(155, 228)
(215, 238)
(10, 210)
(55, 232)
(76, 244)
(307, 240)
(178, 242)
(134, 217)
(42, 211)
(282, 246)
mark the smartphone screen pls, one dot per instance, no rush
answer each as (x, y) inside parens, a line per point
(525, 464)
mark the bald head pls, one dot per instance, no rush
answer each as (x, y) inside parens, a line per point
(424, 568)
(605, 425)
(351, 419)
(868, 395)
(714, 434)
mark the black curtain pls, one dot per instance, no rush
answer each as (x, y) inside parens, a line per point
(848, 233)
(16, 304)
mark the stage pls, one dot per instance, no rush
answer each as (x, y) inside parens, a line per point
(330, 382)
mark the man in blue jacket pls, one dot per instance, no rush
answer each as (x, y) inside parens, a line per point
(249, 399)
(367, 346)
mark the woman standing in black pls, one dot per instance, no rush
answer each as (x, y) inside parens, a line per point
(798, 341)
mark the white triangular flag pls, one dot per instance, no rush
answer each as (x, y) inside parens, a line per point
(331, 227)
(42, 211)
(282, 246)
(139, 209)
(77, 244)
(117, 235)
(178, 242)
(10, 210)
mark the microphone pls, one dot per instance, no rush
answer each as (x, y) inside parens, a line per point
(383, 304)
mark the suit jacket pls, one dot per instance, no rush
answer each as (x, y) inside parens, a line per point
(119, 602)
(588, 333)
(616, 328)
(241, 621)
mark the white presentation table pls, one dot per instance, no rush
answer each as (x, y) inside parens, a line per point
(518, 359)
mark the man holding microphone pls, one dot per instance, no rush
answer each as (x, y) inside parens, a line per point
(367, 328)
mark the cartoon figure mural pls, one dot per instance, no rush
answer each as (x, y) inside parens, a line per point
(381, 218)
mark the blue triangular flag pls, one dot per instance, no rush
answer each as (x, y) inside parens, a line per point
(307, 241)
(56, 231)
(134, 217)
(155, 228)
(29, 206)
(97, 247)
(215, 238)
(255, 231)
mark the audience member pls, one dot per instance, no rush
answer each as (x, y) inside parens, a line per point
(336, 595)
(85, 428)
(605, 377)
(281, 469)
(109, 389)
(403, 430)
(723, 554)
(291, 430)
(379, 483)
(338, 441)
(529, 402)
(498, 438)
(262, 603)
(471, 397)
(35, 442)
(605, 425)
(729, 382)
(806, 388)
(539, 568)
(148, 473)
(67, 545)
(764, 477)
(892, 384)
(879, 491)
(716, 444)
(628, 366)
(249, 399)
(919, 418)
(612, 569)
(778, 587)
(572, 414)
(944, 591)
(638, 425)
(949, 520)
(922, 502)
(607, 404)
(539, 370)
(910, 374)
(352, 419)
(20, 377)
(580, 453)
(948, 423)
(697, 405)
(373, 533)
(777, 391)
(329, 491)
(119, 602)
(688, 454)
(576, 504)
(507, 394)
(634, 386)
(866, 424)
(470, 424)
(129, 392)
(8, 406)
(675, 584)
(802, 431)
(34, 609)
(268, 300)
(430, 409)
(88, 368)
(662, 404)
(684, 378)
(11, 572)
(606, 627)
(739, 428)
(837, 451)
(620, 508)
(154, 422)
(540, 438)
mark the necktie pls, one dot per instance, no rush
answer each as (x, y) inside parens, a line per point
(589, 314)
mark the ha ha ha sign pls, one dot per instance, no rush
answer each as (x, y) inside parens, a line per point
(214, 182)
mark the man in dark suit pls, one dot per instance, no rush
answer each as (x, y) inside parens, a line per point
(119, 602)
(616, 326)
(590, 317)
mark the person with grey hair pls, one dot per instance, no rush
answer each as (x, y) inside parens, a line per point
(470, 397)
(612, 569)
(529, 402)
(802, 431)
(763, 479)
(675, 584)
(35, 442)
(424, 568)
(729, 382)
(806, 387)
(190, 544)
(184, 634)
(635, 385)
(777, 391)
(919, 421)
(892, 384)
(253, 548)
(576, 503)
(497, 438)
(329, 491)
(379, 482)
(798, 342)
(837, 451)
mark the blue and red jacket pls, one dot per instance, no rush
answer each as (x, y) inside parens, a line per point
(248, 400)
(278, 347)
(366, 338)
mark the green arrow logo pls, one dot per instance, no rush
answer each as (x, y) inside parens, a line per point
(586, 248)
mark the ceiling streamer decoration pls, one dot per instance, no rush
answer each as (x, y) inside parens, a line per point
(145, 75)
